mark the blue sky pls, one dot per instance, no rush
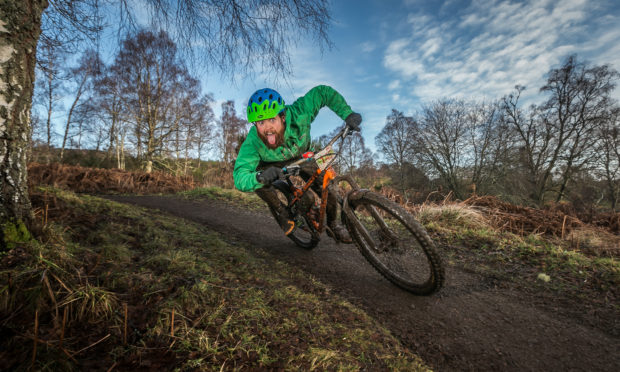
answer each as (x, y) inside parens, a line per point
(404, 54)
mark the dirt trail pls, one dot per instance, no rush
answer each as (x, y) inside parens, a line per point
(474, 323)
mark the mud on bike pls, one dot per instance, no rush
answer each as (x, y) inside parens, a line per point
(388, 236)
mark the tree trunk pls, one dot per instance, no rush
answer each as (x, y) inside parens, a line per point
(118, 154)
(186, 165)
(68, 125)
(20, 27)
(50, 101)
(120, 149)
(113, 136)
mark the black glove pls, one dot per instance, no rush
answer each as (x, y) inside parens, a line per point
(353, 121)
(269, 175)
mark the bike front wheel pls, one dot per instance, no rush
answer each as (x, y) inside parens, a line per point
(396, 245)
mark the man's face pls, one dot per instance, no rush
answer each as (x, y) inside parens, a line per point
(271, 131)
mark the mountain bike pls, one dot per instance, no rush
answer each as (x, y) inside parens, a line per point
(388, 236)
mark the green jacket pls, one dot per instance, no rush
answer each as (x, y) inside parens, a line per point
(299, 115)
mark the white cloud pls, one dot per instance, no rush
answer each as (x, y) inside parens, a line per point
(395, 84)
(491, 46)
(431, 46)
(368, 47)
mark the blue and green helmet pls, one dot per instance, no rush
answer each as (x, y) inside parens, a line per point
(264, 104)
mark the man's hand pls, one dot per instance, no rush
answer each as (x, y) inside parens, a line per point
(269, 175)
(353, 121)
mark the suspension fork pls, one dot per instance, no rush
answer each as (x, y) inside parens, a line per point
(329, 175)
(355, 193)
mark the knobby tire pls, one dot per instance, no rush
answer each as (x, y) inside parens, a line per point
(394, 243)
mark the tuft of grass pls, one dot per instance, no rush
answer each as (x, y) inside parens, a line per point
(593, 242)
(90, 303)
(453, 214)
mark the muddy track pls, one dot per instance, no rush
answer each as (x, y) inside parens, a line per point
(474, 323)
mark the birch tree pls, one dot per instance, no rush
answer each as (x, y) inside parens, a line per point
(20, 28)
(87, 70)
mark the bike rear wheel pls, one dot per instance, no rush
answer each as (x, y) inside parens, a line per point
(303, 235)
(396, 245)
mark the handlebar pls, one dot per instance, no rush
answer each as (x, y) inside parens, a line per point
(343, 133)
(293, 168)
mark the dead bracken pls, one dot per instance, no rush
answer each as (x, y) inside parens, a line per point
(97, 180)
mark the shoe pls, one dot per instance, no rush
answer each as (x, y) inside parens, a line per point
(340, 233)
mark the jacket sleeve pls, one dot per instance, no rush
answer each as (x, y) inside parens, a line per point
(244, 173)
(319, 97)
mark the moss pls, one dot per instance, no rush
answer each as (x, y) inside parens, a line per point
(14, 233)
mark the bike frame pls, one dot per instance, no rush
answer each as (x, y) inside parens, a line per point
(328, 173)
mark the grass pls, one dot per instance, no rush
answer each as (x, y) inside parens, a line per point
(242, 199)
(110, 285)
(457, 215)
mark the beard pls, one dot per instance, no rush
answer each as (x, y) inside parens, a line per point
(279, 139)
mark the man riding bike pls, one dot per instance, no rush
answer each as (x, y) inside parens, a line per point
(281, 134)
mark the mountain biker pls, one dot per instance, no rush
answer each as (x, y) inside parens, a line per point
(281, 134)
